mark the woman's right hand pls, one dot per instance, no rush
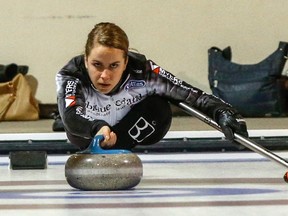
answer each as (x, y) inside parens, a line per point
(110, 137)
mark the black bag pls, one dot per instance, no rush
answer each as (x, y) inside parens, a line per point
(255, 90)
(8, 72)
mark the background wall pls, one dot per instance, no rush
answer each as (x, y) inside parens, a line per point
(176, 34)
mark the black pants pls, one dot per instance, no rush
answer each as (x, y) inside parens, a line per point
(146, 124)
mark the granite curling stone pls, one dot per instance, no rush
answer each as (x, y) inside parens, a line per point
(99, 169)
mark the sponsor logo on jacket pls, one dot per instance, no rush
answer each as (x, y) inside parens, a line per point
(70, 90)
(119, 104)
(70, 101)
(128, 101)
(135, 84)
(141, 130)
(158, 70)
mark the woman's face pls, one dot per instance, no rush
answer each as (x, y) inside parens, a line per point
(105, 66)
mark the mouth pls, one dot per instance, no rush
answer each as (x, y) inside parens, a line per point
(104, 85)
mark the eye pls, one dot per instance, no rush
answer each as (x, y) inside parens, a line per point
(114, 65)
(97, 64)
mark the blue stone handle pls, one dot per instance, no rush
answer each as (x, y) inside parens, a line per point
(95, 148)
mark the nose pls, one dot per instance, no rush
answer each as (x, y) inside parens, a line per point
(105, 74)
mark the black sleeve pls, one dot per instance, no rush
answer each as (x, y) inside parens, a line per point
(71, 103)
(176, 90)
(210, 105)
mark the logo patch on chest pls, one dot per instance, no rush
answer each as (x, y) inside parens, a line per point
(135, 84)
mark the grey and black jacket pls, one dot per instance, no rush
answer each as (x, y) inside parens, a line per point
(84, 110)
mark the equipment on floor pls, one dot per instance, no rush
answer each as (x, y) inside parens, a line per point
(286, 177)
(238, 138)
(255, 90)
(99, 169)
(20, 160)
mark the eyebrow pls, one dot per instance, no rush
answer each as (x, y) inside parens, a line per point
(109, 63)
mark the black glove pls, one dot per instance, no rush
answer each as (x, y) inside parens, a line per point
(231, 122)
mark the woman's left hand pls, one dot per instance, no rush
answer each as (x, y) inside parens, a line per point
(231, 122)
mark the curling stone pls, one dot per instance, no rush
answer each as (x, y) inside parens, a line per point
(99, 169)
(286, 177)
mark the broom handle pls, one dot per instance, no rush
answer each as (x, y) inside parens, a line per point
(238, 138)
